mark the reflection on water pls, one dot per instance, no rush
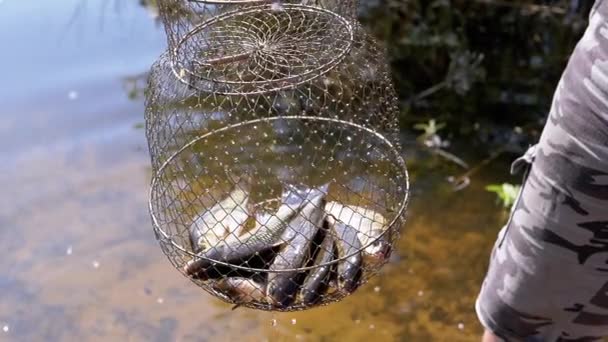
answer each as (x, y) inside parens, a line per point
(80, 261)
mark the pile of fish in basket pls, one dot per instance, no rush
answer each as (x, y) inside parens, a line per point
(306, 231)
(279, 182)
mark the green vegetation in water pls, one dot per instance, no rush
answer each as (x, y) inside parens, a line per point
(482, 67)
(506, 193)
(430, 128)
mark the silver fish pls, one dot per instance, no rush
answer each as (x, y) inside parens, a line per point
(349, 270)
(267, 235)
(242, 290)
(261, 221)
(226, 217)
(317, 279)
(371, 227)
(283, 286)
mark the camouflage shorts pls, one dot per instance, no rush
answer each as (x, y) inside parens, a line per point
(548, 274)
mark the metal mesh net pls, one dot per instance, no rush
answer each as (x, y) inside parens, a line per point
(181, 17)
(285, 197)
(358, 89)
(227, 55)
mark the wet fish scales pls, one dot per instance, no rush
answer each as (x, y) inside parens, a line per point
(372, 227)
(225, 217)
(283, 287)
(242, 290)
(317, 281)
(257, 261)
(350, 269)
(268, 235)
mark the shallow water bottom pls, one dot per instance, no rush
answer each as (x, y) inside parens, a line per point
(83, 263)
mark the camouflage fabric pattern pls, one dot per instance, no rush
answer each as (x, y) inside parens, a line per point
(548, 273)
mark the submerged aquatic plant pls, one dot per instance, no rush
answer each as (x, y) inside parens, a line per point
(430, 134)
(506, 193)
(485, 65)
(430, 128)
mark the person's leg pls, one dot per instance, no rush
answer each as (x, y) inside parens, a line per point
(548, 275)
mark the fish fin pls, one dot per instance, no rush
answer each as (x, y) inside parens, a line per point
(330, 219)
(262, 217)
(290, 189)
(324, 188)
(244, 183)
(288, 186)
(278, 243)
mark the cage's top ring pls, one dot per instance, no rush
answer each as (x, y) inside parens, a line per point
(229, 2)
(391, 222)
(262, 48)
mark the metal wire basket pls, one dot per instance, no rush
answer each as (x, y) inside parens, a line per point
(281, 199)
(358, 89)
(281, 213)
(180, 17)
(257, 49)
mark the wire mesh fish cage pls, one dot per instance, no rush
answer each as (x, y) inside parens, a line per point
(281, 213)
(358, 89)
(181, 17)
(285, 198)
(258, 49)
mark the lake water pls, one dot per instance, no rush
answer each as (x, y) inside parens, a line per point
(80, 259)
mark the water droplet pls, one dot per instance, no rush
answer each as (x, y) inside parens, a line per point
(293, 321)
(69, 250)
(377, 289)
(371, 326)
(160, 300)
(357, 321)
(460, 326)
(95, 264)
(273, 322)
(5, 328)
(73, 95)
(420, 293)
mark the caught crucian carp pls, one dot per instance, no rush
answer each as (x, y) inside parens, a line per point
(226, 217)
(348, 244)
(371, 228)
(242, 290)
(299, 235)
(237, 249)
(317, 280)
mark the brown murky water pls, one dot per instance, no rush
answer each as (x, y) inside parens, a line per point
(79, 258)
